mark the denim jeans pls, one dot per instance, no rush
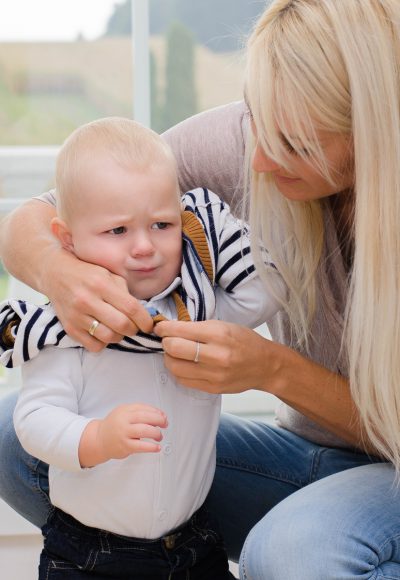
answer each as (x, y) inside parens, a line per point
(71, 550)
(306, 523)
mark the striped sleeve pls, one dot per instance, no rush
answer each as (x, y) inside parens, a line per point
(228, 237)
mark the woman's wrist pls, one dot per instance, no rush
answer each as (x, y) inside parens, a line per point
(313, 390)
(54, 263)
(276, 364)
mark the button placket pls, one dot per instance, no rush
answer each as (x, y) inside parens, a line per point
(163, 378)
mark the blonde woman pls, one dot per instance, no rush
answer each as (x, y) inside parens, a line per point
(323, 89)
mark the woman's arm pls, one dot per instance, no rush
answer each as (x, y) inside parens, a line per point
(27, 246)
(80, 292)
(233, 359)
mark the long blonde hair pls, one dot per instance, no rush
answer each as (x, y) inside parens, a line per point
(334, 65)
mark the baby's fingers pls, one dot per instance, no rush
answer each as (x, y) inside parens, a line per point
(147, 415)
(139, 446)
(144, 431)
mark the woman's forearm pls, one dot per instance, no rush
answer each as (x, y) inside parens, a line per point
(27, 244)
(314, 391)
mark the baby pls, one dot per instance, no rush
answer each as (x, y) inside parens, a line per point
(131, 452)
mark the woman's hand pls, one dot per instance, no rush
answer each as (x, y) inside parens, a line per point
(231, 358)
(81, 293)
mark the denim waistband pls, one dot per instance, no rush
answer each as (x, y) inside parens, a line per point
(201, 524)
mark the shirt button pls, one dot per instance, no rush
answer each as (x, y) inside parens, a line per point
(167, 449)
(163, 378)
(162, 515)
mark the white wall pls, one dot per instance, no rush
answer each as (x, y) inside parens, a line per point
(20, 546)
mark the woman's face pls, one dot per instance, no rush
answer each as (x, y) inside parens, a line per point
(304, 183)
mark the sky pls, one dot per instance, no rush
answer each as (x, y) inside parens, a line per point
(49, 20)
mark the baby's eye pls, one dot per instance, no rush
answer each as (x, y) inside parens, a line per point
(118, 231)
(159, 226)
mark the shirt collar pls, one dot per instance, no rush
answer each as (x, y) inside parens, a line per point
(177, 282)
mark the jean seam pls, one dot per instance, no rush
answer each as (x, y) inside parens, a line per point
(315, 463)
(34, 478)
(254, 469)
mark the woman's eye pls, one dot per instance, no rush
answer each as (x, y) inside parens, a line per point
(292, 151)
(118, 231)
(289, 148)
(160, 226)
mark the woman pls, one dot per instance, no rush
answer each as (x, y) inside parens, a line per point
(323, 88)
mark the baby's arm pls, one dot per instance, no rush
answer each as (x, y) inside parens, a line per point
(241, 296)
(47, 419)
(251, 303)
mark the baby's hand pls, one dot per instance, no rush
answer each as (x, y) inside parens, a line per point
(121, 433)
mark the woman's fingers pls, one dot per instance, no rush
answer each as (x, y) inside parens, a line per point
(231, 358)
(198, 342)
(196, 331)
(104, 299)
(184, 349)
(134, 314)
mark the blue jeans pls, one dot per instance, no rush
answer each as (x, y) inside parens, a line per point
(71, 550)
(311, 524)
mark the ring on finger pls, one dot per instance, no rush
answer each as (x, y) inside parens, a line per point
(93, 327)
(196, 356)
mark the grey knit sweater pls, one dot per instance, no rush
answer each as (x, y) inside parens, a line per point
(210, 152)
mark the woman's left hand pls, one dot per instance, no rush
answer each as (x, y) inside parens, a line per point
(231, 358)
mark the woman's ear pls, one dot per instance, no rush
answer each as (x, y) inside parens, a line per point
(61, 231)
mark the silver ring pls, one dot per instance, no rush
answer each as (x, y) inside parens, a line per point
(196, 356)
(93, 327)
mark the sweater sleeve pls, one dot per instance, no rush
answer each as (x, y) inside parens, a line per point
(241, 296)
(209, 149)
(46, 416)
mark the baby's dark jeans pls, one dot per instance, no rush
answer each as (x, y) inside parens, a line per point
(194, 551)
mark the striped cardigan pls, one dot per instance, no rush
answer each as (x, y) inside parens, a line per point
(215, 251)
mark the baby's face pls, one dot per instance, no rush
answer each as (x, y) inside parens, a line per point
(129, 222)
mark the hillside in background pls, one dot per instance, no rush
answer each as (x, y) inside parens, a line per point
(47, 89)
(220, 25)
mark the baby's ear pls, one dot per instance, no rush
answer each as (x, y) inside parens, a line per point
(62, 233)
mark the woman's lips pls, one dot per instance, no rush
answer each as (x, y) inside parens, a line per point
(285, 179)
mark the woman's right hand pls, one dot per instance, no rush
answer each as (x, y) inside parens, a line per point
(81, 293)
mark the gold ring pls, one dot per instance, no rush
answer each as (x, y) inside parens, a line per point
(196, 356)
(93, 327)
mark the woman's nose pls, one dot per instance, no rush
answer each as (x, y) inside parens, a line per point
(261, 163)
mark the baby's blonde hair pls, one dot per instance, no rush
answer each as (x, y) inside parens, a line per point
(334, 65)
(128, 143)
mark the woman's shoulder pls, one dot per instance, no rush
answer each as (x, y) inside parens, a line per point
(209, 148)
